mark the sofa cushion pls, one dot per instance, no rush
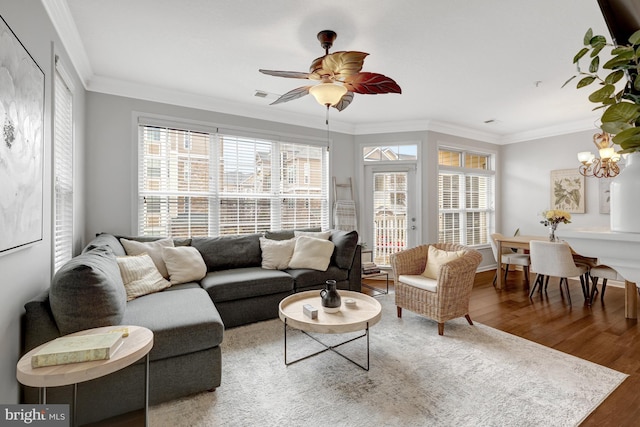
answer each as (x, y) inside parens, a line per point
(305, 277)
(184, 264)
(88, 292)
(346, 243)
(238, 283)
(285, 234)
(224, 252)
(183, 321)
(323, 235)
(104, 239)
(154, 249)
(140, 276)
(311, 252)
(276, 254)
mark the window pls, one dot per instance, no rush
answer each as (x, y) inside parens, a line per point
(226, 184)
(391, 153)
(62, 168)
(465, 197)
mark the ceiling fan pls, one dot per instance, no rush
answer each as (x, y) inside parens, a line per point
(339, 76)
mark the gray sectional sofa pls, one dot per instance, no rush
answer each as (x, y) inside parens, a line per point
(188, 319)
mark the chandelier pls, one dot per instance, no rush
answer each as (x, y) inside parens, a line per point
(605, 166)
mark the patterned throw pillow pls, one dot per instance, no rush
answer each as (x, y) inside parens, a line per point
(140, 276)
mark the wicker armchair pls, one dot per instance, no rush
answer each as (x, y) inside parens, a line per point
(443, 299)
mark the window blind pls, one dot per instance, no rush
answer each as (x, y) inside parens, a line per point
(195, 183)
(62, 169)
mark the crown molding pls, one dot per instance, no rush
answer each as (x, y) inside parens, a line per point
(190, 100)
(60, 15)
(550, 131)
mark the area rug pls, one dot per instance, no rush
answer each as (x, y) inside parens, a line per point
(471, 376)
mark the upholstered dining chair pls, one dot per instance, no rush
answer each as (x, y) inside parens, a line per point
(435, 281)
(554, 259)
(507, 258)
(605, 273)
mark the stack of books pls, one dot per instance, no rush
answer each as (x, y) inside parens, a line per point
(370, 268)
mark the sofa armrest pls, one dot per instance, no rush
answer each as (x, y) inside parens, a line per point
(39, 323)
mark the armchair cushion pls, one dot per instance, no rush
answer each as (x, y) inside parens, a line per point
(419, 281)
(435, 258)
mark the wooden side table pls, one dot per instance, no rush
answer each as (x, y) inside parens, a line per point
(137, 345)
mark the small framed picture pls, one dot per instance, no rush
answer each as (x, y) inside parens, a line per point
(567, 190)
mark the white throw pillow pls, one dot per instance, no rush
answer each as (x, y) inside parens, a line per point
(276, 254)
(324, 235)
(184, 264)
(435, 258)
(140, 276)
(154, 249)
(312, 253)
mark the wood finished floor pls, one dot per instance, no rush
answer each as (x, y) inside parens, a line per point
(600, 334)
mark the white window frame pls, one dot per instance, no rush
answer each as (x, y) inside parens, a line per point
(464, 172)
(63, 160)
(214, 193)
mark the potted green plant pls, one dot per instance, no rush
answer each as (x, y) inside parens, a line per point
(619, 91)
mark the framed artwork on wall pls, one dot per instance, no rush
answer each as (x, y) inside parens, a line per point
(21, 144)
(567, 190)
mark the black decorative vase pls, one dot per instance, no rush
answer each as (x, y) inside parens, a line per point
(330, 297)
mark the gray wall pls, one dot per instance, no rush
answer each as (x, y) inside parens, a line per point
(525, 183)
(26, 272)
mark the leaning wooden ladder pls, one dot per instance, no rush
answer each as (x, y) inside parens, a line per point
(344, 210)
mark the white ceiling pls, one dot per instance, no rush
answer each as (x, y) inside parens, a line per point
(459, 62)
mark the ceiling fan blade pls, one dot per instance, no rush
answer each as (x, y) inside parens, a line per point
(371, 84)
(289, 74)
(343, 64)
(292, 94)
(344, 101)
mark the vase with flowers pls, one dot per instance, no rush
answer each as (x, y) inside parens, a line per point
(552, 218)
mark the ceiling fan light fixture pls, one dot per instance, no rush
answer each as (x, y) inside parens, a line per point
(328, 93)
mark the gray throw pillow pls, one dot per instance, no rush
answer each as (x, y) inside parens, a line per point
(88, 292)
(346, 243)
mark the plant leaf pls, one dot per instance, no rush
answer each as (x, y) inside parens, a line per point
(614, 77)
(627, 134)
(615, 128)
(619, 60)
(597, 40)
(580, 54)
(621, 49)
(371, 83)
(586, 81)
(596, 50)
(595, 63)
(587, 37)
(621, 112)
(565, 83)
(602, 94)
(292, 94)
(635, 38)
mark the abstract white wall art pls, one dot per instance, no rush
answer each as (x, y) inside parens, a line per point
(21, 144)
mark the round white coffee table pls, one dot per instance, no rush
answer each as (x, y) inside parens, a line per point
(361, 315)
(134, 347)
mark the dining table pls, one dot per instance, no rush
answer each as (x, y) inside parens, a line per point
(514, 242)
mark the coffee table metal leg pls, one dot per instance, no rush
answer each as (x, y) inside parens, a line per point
(327, 347)
(75, 399)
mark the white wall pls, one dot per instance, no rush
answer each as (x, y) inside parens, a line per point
(526, 175)
(26, 272)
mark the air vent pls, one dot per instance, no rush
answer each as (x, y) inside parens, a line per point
(261, 94)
